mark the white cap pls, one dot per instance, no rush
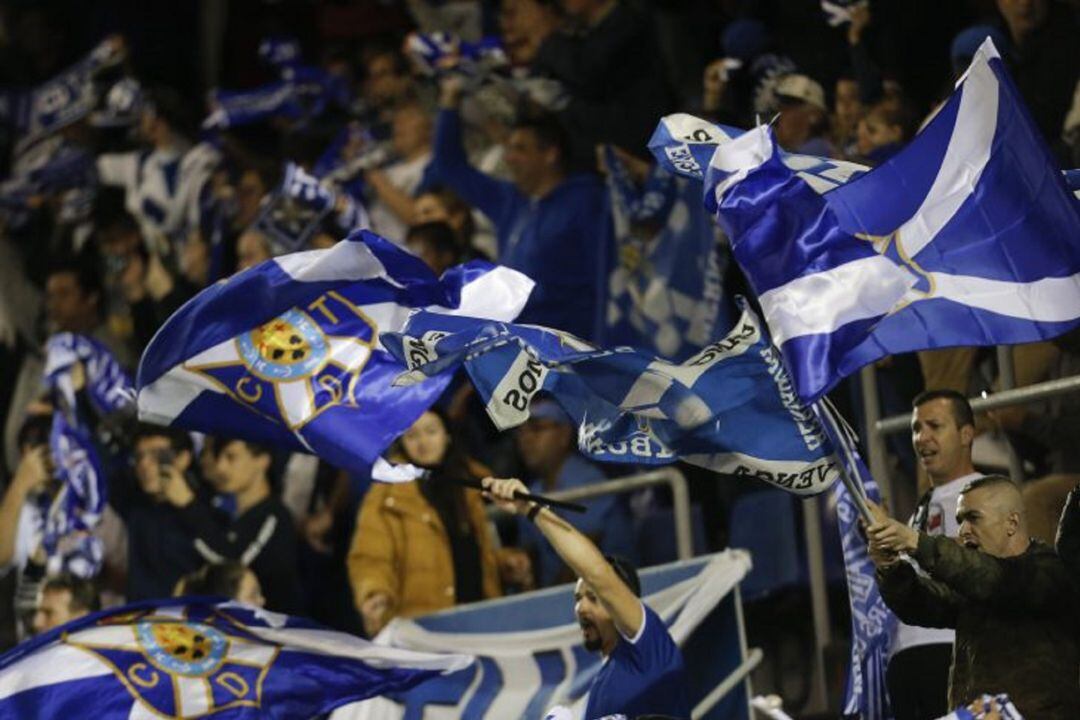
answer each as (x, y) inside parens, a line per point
(802, 88)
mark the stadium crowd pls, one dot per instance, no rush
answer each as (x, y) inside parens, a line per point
(406, 118)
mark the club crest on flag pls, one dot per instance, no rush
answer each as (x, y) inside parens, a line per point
(181, 667)
(298, 365)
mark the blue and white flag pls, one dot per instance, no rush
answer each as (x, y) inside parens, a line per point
(77, 506)
(685, 145)
(302, 206)
(977, 244)
(288, 353)
(530, 656)
(66, 98)
(438, 52)
(193, 658)
(730, 408)
(666, 291)
(302, 93)
(866, 695)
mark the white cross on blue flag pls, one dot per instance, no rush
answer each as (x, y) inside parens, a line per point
(968, 236)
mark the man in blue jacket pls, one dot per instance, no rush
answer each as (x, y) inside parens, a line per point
(552, 225)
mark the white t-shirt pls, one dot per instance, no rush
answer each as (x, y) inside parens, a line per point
(28, 533)
(405, 175)
(940, 520)
(161, 187)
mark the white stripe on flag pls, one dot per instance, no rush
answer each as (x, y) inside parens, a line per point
(820, 303)
(55, 664)
(1045, 300)
(500, 295)
(347, 260)
(965, 158)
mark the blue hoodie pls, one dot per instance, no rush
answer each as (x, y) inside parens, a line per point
(561, 240)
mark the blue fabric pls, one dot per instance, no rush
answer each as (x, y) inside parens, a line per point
(562, 241)
(666, 284)
(353, 412)
(607, 518)
(65, 98)
(440, 52)
(872, 623)
(1019, 223)
(646, 677)
(77, 507)
(302, 93)
(730, 408)
(289, 678)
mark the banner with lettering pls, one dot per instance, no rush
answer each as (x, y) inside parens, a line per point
(530, 656)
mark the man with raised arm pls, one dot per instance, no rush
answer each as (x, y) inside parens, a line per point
(642, 672)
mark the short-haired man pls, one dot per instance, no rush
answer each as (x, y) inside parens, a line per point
(942, 430)
(62, 599)
(643, 672)
(1010, 599)
(260, 534)
(549, 223)
(161, 549)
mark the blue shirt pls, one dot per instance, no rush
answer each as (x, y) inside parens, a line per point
(607, 518)
(642, 676)
(562, 240)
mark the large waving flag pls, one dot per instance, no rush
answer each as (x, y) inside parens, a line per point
(77, 507)
(288, 353)
(193, 658)
(730, 408)
(969, 236)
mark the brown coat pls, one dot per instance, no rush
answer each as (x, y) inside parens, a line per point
(401, 547)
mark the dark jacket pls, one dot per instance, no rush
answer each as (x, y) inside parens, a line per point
(160, 550)
(1067, 541)
(615, 75)
(160, 547)
(1013, 617)
(263, 539)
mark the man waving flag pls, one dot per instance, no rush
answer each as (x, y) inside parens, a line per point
(287, 353)
(978, 242)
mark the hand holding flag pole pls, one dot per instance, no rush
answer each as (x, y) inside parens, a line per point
(844, 440)
(528, 497)
(383, 471)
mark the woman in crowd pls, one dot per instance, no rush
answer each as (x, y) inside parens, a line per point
(226, 579)
(422, 546)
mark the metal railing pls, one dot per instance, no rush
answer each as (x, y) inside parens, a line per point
(738, 675)
(1004, 398)
(1008, 396)
(670, 476)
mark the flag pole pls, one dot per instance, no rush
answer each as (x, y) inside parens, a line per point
(853, 485)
